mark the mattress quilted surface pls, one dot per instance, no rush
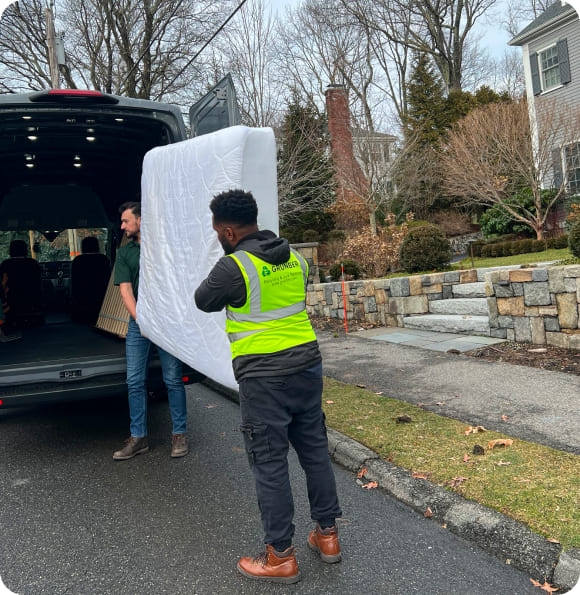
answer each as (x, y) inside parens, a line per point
(179, 246)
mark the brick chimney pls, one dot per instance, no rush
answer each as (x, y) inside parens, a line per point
(350, 180)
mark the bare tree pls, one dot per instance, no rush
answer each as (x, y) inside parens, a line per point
(137, 48)
(248, 52)
(438, 28)
(494, 152)
(321, 45)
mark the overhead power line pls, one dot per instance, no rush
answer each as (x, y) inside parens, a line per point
(206, 44)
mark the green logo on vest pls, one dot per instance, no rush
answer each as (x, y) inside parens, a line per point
(265, 271)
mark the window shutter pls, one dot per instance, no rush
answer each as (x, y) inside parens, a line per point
(536, 86)
(564, 62)
(557, 168)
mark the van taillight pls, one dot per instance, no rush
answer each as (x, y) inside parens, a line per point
(75, 92)
(72, 96)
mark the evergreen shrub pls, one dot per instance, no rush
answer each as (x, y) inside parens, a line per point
(351, 267)
(424, 248)
(574, 239)
(310, 235)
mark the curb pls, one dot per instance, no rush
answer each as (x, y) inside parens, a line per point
(492, 531)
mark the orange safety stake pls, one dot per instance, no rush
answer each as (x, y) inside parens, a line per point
(343, 298)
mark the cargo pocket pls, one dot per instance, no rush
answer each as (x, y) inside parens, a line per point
(257, 443)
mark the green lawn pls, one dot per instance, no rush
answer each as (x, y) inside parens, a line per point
(530, 258)
(534, 484)
(518, 259)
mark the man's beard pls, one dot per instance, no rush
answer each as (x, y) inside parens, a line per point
(228, 248)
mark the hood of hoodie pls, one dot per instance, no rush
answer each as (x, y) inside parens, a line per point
(267, 246)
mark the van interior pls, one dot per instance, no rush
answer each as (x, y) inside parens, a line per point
(66, 169)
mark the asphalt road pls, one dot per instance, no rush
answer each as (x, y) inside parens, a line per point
(74, 521)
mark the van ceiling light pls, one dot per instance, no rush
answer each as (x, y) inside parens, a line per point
(30, 165)
(77, 157)
(29, 157)
(32, 137)
(77, 164)
(31, 129)
(119, 119)
(90, 130)
(27, 117)
(91, 138)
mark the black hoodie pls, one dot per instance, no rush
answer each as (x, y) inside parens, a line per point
(225, 286)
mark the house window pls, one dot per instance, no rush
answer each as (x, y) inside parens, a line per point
(550, 68)
(573, 168)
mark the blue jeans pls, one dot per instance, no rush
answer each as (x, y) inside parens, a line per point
(138, 349)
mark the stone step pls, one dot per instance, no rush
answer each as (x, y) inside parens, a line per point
(469, 290)
(460, 306)
(448, 323)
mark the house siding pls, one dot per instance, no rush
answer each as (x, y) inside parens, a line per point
(569, 93)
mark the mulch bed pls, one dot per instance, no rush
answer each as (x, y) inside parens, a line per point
(546, 357)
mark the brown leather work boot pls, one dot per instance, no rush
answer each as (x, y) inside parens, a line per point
(179, 446)
(272, 566)
(133, 446)
(325, 542)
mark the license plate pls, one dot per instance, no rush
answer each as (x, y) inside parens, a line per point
(66, 374)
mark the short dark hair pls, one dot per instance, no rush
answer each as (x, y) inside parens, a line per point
(234, 206)
(131, 204)
(18, 248)
(90, 245)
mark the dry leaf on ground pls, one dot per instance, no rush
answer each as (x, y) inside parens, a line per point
(499, 442)
(545, 587)
(474, 430)
(370, 485)
(457, 481)
(210, 406)
(502, 463)
(466, 458)
(330, 402)
(428, 513)
(504, 417)
(421, 475)
(362, 472)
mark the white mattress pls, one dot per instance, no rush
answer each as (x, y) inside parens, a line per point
(179, 246)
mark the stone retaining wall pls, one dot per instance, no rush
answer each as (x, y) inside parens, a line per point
(536, 305)
(385, 301)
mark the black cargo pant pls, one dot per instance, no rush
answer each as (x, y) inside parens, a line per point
(276, 411)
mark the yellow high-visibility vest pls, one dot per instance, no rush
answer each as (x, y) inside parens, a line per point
(274, 316)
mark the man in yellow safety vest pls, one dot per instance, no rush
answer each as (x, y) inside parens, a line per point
(261, 282)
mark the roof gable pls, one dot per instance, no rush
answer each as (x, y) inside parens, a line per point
(552, 16)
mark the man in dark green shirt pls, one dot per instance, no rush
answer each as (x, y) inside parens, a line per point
(138, 349)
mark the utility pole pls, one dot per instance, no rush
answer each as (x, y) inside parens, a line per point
(50, 40)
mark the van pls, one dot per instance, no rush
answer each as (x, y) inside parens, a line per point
(69, 159)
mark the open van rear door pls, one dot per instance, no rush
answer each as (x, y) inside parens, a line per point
(216, 110)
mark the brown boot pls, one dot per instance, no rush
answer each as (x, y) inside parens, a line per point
(325, 542)
(133, 446)
(272, 566)
(179, 446)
